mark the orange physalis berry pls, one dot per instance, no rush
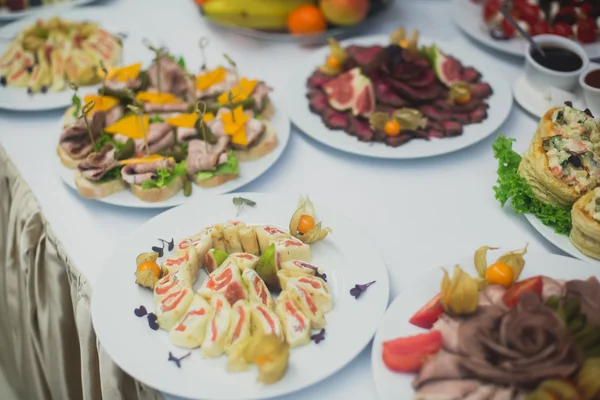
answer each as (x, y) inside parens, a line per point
(499, 274)
(333, 62)
(464, 98)
(151, 265)
(306, 223)
(392, 128)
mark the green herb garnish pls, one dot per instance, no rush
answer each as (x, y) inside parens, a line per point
(156, 119)
(104, 139)
(513, 186)
(75, 100)
(240, 202)
(111, 175)
(165, 178)
(230, 167)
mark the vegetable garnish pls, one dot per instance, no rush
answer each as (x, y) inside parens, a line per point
(140, 311)
(399, 38)
(160, 250)
(335, 60)
(313, 233)
(402, 118)
(176, 360)
(152, 318)
(407, 354)
(241, 202)
(358, 290)
(318, 337)
(514, 187)
(75, 100)
(460, 295)
(497, 273)
(156, 118)
(428, 314)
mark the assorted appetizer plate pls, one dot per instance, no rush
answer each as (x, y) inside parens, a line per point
(395, 385)
(17, 97)
(347, 256)
(560, 241)
(6, 15)
(468, 16)
(482, 70)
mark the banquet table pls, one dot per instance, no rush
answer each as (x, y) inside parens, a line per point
(421, 213)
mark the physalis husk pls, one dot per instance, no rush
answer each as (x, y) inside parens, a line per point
(306, 207)
(460, 295)
(399, 38)
(514, 259)
(269, 352)
(336, 59)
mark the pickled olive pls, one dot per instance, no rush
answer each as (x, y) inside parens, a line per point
(144, 80)
(553, 302)
(187, 188)
(127, 151)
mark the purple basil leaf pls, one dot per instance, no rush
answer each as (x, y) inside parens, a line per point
(569, 104)
(158, 250)
(176, 360)
(319, 337)
(322, 276)
(152, 321)
(358, 290)
(140, 311)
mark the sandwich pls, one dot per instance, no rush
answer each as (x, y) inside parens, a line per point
(560, 170)
(300, 268)
(190, 331)
(265, 321)
(231, 235)
(585, 233)
(225, 280)
(296, 326)
(99, 174)
(291, 249)
(249, 240)
(201, 242)
(75, 141)
(167, 284)
(218, 327)
(316, 288)
(173, 79)
(211, 165)
(154, 178)
(186, 266)
(216, 232)
(305, 303)
(173, 306)
(241, 325)
(244, 261)
(258, 293)
(266, 234)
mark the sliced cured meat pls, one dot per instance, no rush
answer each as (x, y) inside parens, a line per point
(452, 128)
(470, 74)
(318, 79)
(439, 115)
(447, 389)
(365, 56)
(96, 165)
(75, 139)
(165, 108)
(136, 174)
(434, 133)
(360, 128)
(444, 104)
(335, 119)
(426, 80)
(478, 115)
(409, 70)
(481, 90)
(418, 95)
(396, 141)
(205, 156)
(173, 78)
(443, 365)
(317, 102)
(160, 137)
(384, 93)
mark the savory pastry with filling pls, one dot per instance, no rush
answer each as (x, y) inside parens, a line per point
(568, 121)
(585, 233)
(560, 169)
(99, 174)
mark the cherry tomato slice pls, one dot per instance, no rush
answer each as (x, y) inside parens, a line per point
(428, 314)
(513, 294)
(409, 353)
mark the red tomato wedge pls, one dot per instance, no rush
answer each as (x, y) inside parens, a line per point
(408, 354)
(513, 294)
(428, 314)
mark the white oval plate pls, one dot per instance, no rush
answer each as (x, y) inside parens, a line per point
(468, 16)
(561, 241)
(6, 15)
(17, 99)
(500, 104)
(248, 172)
(392, 385)
(348, 256)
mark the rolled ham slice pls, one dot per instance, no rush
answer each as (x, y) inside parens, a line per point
(96, 165)
(174, 80)
(75, 139)
(166, 108)
(205, 156)
(136, 174)
(160, 137)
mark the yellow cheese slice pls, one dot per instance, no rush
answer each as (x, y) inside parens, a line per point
(188, 120)
(239, 92)
(143, 160)
(103, 103)
(129, 126)
(157, 98)
(122, 74)
(211, 78)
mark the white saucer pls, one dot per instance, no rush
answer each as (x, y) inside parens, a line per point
(534, 101)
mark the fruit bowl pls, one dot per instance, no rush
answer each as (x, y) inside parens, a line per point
(248, 24)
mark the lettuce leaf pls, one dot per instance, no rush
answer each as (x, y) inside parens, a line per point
(511, 186)
(230, 167)
(165, 178)
(105, 138)
(111, 175)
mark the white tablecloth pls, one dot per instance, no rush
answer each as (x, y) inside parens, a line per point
(421, 213)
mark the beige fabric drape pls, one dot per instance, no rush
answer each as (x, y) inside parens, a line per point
(48, 349)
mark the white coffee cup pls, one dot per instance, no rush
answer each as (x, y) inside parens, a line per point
(541, 78)
(590, 93)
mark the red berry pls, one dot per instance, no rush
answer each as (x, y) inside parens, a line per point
(563, 29)
(586, 9)
(490, 10)
(586, 31)
(540, 28)
(530, 13)
(507, 28)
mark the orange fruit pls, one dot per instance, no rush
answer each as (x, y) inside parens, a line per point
(306, 223)
(151, 265)
(392, 128)
(306, 19)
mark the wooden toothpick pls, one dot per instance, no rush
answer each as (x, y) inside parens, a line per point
(84, 114)
(201, 121)
(204, 41)
(140, 121)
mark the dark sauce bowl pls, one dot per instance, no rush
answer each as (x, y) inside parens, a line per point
(565, 61)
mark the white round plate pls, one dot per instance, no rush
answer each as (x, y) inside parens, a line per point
(392, 385)
(560, 241)
(17, 99)
(536, 103)
(248, 172)
(468, 16)
(6, 15)
(348, 256)
(311, 124)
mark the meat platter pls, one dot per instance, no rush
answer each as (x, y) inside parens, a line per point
(468, 332)
(151, 135)
(399, 97)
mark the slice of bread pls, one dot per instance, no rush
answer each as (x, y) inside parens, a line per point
(66, 159)
(266, 144)
(155, 195)
(94, 190)
(216, 180)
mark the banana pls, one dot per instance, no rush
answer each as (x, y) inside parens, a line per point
(255, 14)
